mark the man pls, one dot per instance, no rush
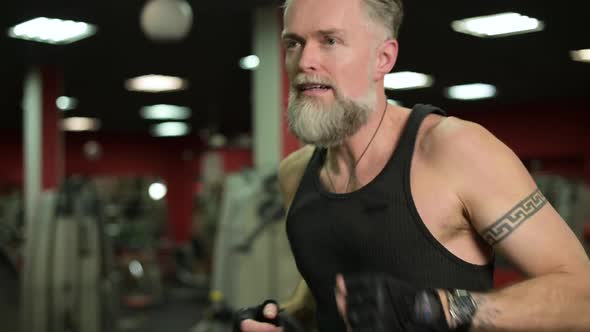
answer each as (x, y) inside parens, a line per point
(395, 214)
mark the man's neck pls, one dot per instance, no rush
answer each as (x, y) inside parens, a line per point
(350, 160)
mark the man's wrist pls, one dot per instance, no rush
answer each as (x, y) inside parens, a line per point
(298, 309)
(290, 306)
(445, 304)
(461, 308)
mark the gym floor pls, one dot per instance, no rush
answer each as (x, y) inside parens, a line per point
(180, 310)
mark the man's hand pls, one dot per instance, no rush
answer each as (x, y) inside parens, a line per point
(341, 294)
(263, 318)
(381, 303)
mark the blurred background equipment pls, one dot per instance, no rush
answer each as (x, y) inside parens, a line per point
(9, 293)
(97, 260)
(10, 239)
(68, 275)
(251, 249)
(251, 245)
(570, 197)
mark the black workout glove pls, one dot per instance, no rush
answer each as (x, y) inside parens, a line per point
(380, 303)
(255, 313)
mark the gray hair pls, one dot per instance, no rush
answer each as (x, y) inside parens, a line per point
(389, 13)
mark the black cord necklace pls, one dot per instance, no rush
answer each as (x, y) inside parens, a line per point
(360, 157)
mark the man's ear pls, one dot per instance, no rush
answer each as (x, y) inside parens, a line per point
(386, 57)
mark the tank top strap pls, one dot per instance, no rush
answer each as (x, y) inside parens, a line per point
(419, 112)
(405, 147)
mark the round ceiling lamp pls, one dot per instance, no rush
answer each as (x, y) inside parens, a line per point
(166, 20)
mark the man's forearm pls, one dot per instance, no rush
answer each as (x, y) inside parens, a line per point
(556, 302)
(301, 302)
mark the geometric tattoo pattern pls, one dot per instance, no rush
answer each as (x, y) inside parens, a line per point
(514, 218)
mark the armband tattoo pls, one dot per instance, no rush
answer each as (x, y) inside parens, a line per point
(514, 218)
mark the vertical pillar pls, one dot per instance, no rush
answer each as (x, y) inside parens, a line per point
(43, 159)
(42, 162)
(32, 113)
(272, 139)
(267, 91)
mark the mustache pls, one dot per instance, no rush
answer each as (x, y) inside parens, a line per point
(310, 79)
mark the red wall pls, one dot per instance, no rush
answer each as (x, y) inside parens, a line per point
(556, 134)
(175, 160)
(11, 158)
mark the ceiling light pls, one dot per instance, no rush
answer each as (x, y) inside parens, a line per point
(157, 191)
(136, 269)
(165, 112)
(52, 30)
(156, 83)
(66, 103)
(504, 24)
(80, 124)
(169, 129)
(471, 91)
(166, 20)
(581, 55)
(394, 102)
(250, 62)
(407, 80)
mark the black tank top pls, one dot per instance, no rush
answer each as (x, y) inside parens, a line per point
(374, 229)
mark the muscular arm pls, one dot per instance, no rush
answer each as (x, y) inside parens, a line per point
(504, 205)
(557, 295)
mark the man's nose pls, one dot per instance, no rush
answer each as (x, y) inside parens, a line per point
(309, 58)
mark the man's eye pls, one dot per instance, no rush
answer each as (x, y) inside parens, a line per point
(291, 44)
(330, 41)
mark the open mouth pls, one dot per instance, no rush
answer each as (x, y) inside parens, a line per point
(313, 87)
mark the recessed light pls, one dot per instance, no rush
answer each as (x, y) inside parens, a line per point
(80, 124)
(581, 55)
(407, 80)
(165, 112)
(170, 129)
(156, 83)
(250, 62)
(157, 191)
(66, 103)
(52, 30)
(498, 25)
(471, 91)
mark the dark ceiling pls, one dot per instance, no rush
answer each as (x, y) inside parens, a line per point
(527, 68)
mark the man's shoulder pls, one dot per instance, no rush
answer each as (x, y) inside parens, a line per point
(463, 147)
(452, 136)
(296, 161)
(291, 170)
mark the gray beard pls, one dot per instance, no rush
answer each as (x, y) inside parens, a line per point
(316, 123)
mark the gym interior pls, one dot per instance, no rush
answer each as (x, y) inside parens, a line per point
(139, 147)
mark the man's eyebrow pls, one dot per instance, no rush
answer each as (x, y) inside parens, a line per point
(328, 32)
(324, 32)
(290, 35)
